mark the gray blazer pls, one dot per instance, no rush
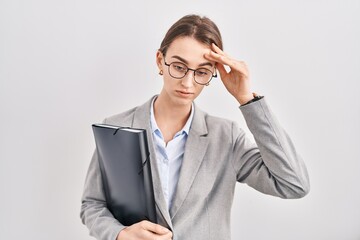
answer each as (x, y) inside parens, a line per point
(217, 155)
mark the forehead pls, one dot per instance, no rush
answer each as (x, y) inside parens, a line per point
(188, 48)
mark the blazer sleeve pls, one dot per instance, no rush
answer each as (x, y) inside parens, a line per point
(272, 165)
(94, 213)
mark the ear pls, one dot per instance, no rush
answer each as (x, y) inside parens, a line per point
(159, 60)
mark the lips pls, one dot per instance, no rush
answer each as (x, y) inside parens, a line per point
(184, 92)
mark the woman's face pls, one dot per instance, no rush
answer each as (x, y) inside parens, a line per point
(190, 52)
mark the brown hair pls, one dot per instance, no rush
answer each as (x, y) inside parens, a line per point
(201, 28)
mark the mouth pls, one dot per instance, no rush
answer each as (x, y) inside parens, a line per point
(186, 93)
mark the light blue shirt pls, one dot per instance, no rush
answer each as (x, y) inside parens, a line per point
(169, 157)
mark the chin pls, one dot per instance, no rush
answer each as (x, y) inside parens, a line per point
(182, 101)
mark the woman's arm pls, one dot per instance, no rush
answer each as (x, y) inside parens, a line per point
(272, 165)
(100, 221)
(94, 213)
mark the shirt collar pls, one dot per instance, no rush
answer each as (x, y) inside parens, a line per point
(154, 126)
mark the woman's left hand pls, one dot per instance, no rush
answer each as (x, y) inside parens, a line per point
(236, 80)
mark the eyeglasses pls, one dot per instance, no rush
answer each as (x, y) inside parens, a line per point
(179, 70)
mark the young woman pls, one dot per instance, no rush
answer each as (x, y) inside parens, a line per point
(196, 158)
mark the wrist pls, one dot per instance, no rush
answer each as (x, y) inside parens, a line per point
(255, 98)
(243, 99)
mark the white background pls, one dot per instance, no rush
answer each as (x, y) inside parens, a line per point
(67, 64)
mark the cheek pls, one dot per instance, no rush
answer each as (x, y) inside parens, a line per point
(166, 75)
(168, 81)
(198, 89)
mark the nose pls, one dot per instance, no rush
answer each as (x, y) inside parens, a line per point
(188, 80)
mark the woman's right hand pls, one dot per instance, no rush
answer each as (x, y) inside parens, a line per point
(145, 230)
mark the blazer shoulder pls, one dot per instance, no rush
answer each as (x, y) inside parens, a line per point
(215, 122)
(123, 119)
(226, 128)
(137, 117)
(222, 128)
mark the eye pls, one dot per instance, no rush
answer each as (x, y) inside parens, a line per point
(179, 67)
(202, 72)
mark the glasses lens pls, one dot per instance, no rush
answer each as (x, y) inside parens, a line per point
(203, 75)
(178, 70)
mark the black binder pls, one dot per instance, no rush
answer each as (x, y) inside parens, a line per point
(125, 168)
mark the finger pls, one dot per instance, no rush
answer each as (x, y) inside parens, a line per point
(218, 50)
(239, 64)
(150, 235)
(221, 69)
(213, 56)
(155, 228)
(167, 236)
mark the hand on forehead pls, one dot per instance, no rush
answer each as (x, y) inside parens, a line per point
(189, 51)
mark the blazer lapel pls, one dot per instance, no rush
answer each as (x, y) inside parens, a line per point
(142, 120)
(195, 149)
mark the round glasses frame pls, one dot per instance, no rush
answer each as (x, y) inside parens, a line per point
(194, 70)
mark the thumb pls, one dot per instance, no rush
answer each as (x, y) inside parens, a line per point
(221, 70)
(155, 228)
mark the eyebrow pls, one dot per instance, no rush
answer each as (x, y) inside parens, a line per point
(186, 62)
